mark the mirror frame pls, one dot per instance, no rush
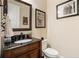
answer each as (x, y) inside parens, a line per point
(30, 18)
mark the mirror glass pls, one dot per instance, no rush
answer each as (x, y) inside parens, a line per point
(19, 13)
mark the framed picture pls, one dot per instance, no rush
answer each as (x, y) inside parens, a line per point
(40, 19)
(67, 9)
(25, 20)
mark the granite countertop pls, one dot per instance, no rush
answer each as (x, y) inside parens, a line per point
(14, 45)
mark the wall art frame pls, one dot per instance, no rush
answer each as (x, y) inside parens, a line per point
(40, 19)
(67, 9)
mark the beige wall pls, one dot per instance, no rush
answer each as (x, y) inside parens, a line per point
(63, 34)
(40, 4)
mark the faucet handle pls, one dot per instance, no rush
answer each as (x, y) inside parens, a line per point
(21, 33)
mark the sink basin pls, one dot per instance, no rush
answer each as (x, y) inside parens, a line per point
(23, 41)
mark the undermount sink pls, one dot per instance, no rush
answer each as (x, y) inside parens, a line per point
(23, 41)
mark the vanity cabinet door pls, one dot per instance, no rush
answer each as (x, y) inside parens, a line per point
(31, 54)
(8, 54)
(34, 53)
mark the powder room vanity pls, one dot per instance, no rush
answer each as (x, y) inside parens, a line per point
(20, 15)
(30, 49)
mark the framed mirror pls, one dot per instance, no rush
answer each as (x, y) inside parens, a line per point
(20, 15)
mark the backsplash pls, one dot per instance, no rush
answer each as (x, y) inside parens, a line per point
(28, 34)
(24, 32)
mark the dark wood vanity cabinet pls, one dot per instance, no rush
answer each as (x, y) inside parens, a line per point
(33, 50)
